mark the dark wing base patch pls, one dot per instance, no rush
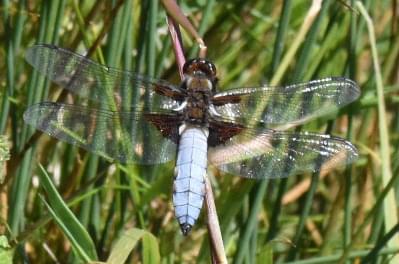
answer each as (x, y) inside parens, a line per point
(221, 131)
(168, 125)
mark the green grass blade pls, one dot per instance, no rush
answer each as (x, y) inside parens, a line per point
(243, 245)
(266, 255)
(277, 51)
(67, 221)
(6, 251)
(151, 254)
(128, 241)
(390, 204)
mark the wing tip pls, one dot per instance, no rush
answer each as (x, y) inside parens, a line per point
(345, 155)
(353, 153)
(34, 112)
(29, 115)
(32, 54)
(352, 89)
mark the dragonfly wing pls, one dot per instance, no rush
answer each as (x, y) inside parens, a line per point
(294, 103)
(128, 137)
(100, 83)
(266, 153)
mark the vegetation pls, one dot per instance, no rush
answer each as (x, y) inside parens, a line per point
(60, 203)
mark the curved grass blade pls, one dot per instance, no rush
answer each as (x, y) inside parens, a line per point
(127, 243)
(67, 221)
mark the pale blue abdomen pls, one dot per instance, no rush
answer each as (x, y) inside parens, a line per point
(189, 184)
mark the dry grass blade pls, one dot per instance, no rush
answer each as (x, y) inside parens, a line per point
(307, 23)
(215, 236)
(174, 10)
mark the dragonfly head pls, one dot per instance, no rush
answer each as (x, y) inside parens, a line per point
(200, 68)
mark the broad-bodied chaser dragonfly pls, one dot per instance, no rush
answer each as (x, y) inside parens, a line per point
(234, 130)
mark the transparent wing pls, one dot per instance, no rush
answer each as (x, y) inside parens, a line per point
(100, 83)
(294, 103)
(124, 136)
(266, 153)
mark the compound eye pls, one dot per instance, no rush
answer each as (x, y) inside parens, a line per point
(211, 68)
(200, 66)
(187, 67)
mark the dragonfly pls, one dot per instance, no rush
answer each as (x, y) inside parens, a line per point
(132, 118)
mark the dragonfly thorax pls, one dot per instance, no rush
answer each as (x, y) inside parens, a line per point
(199, 92)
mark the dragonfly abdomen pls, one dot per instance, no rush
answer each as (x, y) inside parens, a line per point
(189, 184)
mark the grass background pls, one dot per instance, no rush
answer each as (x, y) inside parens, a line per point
(305, 218)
